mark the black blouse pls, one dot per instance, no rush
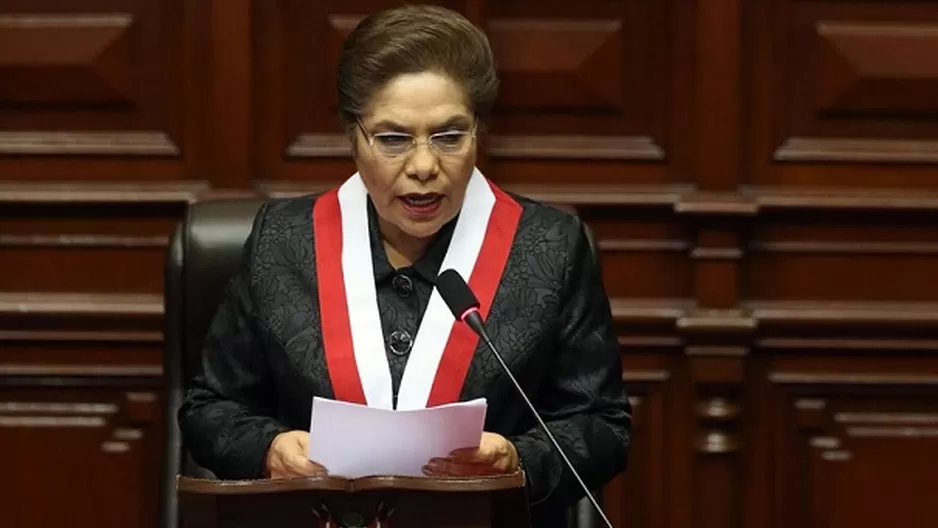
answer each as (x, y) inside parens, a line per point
(263, 360)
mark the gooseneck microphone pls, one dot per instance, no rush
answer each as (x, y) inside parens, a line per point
(465, 307)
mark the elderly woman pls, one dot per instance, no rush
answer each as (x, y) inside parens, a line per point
(335, 297)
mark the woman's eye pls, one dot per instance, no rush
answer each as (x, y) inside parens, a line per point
(393, 140)
(449, 139)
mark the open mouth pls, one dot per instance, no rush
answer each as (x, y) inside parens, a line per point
(422, 204)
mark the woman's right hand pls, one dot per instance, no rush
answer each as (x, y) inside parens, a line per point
(287, 458)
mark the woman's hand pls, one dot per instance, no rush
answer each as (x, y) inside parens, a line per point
(286, 457)
(495, 455)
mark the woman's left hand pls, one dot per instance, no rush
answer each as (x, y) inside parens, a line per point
(495, 455)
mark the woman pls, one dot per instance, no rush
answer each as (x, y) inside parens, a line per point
(335, 297)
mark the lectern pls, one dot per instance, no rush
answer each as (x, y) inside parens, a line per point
(371, 502)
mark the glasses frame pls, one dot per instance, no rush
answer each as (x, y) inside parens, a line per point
(416, 141)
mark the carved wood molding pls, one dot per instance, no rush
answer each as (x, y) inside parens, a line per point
(41, 375)
(101, 304)
(126, 419)
(840, 198)
(843, 313)
(82, 143)
(81, 318)
(716, 419)
(888, 424)
(828, 429)
(713, 320)
(319, 146)
(575, 147)
(717, 374)
(84, 241)
(865, 150)
(170, 192)
(645, 376)
(649, 393)
(846, 343)
(666, 311)
(642, 245)
(644, 390)
(752, 316)
(846, 248)
(854, 378)
(815, 422)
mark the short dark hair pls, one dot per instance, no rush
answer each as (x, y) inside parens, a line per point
(414, 39)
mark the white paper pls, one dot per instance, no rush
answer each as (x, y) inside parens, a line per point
(352, 440)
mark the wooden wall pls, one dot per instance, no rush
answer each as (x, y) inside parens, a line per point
(761, 174)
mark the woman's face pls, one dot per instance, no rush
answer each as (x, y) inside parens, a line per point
(416, 188)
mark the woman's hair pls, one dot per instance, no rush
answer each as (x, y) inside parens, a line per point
(415, 39)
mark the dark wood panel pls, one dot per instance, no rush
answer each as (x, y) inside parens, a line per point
(637, 497)
(558, 170)
(109, 267)
(665, 272)
(843, 429)
(32, 353)
(842, 257)
(97, 79)
(811, 274)
(79, 246)
(598, 65)
(844, 82)
(890, 232)
(127, 226)
(90, 439)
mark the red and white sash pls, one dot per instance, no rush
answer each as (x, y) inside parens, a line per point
(351, 326)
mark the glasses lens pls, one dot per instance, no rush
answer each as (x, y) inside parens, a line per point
(450, 142)
(396, 144)
(393, 144)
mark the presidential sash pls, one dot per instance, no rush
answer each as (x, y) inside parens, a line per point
(351, 325)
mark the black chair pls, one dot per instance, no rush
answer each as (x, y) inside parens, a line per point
(204, 253)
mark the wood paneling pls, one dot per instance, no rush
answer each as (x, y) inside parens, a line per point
(845, 426)
(103, 446)
(100, 84)
(761, 176)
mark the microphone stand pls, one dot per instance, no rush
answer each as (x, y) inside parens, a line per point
(474, 320)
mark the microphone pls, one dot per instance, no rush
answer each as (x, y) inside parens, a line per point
(465, 307)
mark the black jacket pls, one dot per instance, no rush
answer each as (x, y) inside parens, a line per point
(263, 360)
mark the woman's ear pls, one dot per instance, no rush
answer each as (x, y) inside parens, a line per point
(352, 134)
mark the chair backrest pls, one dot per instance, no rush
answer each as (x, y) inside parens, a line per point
(204, 252)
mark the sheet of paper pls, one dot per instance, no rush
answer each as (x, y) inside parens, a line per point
(352, 440)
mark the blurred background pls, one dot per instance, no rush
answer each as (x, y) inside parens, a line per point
(761, 175)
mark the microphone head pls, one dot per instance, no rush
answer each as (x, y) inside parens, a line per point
(456, 294)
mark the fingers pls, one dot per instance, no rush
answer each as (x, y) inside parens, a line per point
(447, 467)
(301, 439)
(491, 447)
(300, 466)
(451, 467)
(288, 459)
(297, 466)
(471, 456)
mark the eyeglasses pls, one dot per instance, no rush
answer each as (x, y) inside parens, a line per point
(395, 144)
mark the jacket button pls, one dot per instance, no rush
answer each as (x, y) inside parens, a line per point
(403, 285)
(400, 343)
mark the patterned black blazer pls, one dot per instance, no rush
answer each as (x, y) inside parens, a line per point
(263, 359)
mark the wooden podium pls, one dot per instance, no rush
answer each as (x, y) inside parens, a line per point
(372, 502)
